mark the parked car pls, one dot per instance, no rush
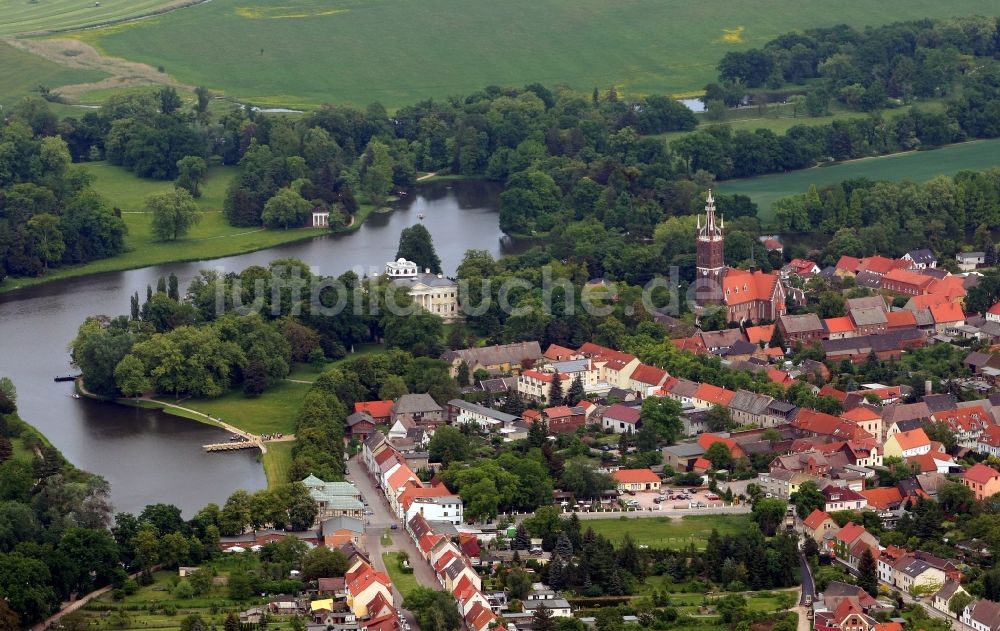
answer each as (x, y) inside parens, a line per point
(394, 527)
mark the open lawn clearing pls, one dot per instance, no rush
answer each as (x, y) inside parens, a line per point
(277, 461)
(405, 583)
(21, 73)
(397, 52)
(272, 412)
(211, 238)
(915, 165)
(664, 532)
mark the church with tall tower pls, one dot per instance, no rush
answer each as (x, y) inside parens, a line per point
(711, 260)
(747, 295)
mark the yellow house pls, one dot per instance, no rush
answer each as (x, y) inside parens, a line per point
(907, 444)
(363, 587)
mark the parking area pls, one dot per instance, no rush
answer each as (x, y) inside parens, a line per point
(673, 497)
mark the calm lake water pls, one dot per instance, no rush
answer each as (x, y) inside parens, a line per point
(149, 456)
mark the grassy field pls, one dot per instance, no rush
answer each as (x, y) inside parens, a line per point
(917, 166)
(272, 412)
(212, 237)
(21, 72)
(32, 16)
(151, 606)
(403, 582)
(666, 532)
(277, 461)
(397, 52)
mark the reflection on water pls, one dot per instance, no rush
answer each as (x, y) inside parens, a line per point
(149, 456)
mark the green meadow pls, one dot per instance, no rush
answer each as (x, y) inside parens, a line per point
(915, 165)
(664, 532)
(21, 73)
(396, 52)
(212, 237)
(33, 16)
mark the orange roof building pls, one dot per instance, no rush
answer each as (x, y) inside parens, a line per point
(839, 327)
(903, 319)
(761, 333)
(710, 395)
(883, 498)
(947, 314)
(636, 480)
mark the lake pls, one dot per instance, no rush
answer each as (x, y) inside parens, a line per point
(149, 456)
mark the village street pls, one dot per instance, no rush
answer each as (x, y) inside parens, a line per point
(381, 520)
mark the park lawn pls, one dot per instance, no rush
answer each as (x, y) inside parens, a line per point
(397, 52)
(405, 583)
(21, 72)
(664, 532)
(277, 461)
(211, 238)
(272, 412)
(919, 166)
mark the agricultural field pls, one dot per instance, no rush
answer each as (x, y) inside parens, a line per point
(664, 532)
(212, 237)
(303, 53)
(915, 165)
(22, 17)
(21, 73)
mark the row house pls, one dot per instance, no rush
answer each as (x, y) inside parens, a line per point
(495, 359)
(615, 367)
(866, 418)
(967, 423)
(838, 498)
(535, 385)
(820, 527)
(943, 596)
(466, 413)
(906, 283)
(982, 480)
(621, 419)
(989, 441)
(982, 615)
(851, 540)
(868, 321)
(803, 328)
(907, 444)
(888, 345)
(708, 396)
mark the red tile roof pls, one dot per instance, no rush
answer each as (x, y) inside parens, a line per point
(881, 265)
(760, 333)
(780, 377)
(850, 532)
(980, 473)
(741, 286)
(714, 394)
(830, 391)
(558, 353)
(706, 440)
(883, 498)
(948, 312)
(842, 324)
(860, 414)
(912, 439)
(900, 319)
(545, 377)
(602, 352)
(376, 409)
(649, 375)
(815, 519)
(994, 310)
(848, 264)
(635, 476)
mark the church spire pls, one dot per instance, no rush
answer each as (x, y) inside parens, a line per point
(710, 229)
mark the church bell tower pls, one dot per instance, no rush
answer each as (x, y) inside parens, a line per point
(711, 266)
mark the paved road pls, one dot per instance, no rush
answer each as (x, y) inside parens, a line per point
(808, 586)
(382, 520)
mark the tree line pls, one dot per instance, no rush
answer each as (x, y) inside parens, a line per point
(49, 214)
(864, 69)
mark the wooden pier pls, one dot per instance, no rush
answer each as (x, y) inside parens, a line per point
(232, 446)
